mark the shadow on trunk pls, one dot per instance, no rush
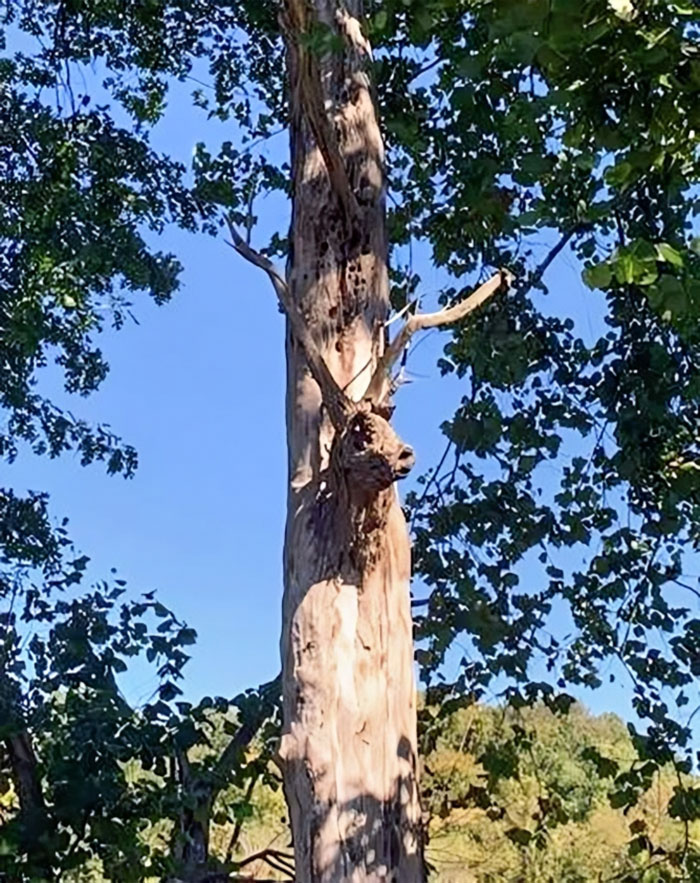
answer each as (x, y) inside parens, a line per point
(375, 839)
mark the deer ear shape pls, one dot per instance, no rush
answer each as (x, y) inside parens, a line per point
(384, 409)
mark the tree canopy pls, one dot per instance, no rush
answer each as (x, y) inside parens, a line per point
(569, 490)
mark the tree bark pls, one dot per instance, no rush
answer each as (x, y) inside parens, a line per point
(35, 827)
(349, 737)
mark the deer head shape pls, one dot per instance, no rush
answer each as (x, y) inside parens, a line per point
(371, 456)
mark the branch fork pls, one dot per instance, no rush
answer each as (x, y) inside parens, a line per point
(339, 406)
(379, 388)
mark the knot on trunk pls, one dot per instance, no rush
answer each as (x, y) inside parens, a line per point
(370, 456)
(366, 459)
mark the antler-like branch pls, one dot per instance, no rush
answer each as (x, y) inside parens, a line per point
(380, 384)
(334, 399)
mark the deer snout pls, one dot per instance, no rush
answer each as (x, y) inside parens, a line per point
(405, 461)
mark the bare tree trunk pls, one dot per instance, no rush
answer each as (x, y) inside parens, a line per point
(349, 738)
(348, 746)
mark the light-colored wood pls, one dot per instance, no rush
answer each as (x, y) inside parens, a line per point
(348, 749)
(379, 388)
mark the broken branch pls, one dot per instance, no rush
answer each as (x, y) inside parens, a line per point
(380, 384)
(334, 399)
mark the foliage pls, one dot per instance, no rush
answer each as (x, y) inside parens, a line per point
(67, 733)
(519, 795)
(88, 781)
(550, 819)
(579, 121)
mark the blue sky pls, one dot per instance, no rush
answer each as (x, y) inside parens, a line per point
(198, 387)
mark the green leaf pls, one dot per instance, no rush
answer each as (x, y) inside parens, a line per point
(524, 47)
(669, 297)
(635, 264)
(685, 803)
(521, 836)
(380, 20)
(598, 276)
(638, 845)
(669, 254)
(618, 174)
(469, 66)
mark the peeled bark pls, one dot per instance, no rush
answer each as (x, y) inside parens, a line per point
(349, 739)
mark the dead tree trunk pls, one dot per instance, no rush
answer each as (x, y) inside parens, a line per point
(349, 743)
(349, 715)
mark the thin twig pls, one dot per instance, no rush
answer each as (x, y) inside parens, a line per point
(404, 309)
(238, 827)
(433, 477)
(424, 69)
(279, 861)
(542, 268)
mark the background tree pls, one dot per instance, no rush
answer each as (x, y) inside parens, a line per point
(503, 123)
(80, 196)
